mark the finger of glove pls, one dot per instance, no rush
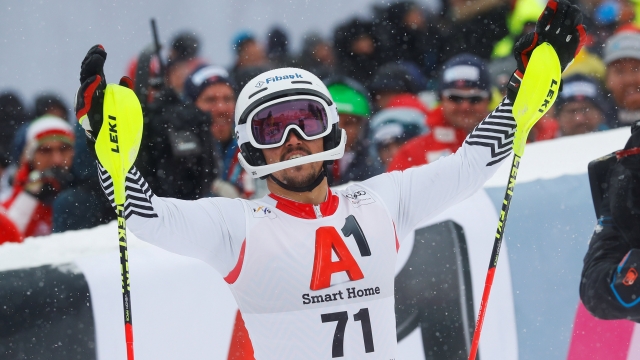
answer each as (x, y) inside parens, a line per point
(126, 82)
(546, 16)
(574, 16)
(84, 97)
(523, 49)
(93, 63)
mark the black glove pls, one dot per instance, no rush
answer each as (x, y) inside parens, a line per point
(624, 189)
(90, 95)
(560, 24)
(625, 279)
(45, 185)
(522, 52)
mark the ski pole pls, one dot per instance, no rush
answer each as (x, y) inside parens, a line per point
(538, 91)
(117, 147)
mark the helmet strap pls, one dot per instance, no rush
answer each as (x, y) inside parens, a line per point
(313, 185)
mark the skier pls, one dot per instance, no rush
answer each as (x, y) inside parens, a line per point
(312, 269)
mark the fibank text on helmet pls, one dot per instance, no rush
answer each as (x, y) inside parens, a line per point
(283, 77)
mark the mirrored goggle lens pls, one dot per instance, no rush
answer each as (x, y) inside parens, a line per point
(269, 124)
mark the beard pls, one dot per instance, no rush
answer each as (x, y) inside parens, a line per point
(297, 176)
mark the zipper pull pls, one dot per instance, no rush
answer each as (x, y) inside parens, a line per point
(316, 209)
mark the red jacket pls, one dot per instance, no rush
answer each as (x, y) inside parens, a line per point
(30, 215)
(441, 140)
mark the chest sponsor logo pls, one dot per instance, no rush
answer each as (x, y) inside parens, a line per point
(263, 211)
(359, 197)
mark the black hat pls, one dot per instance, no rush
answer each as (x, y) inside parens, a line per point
(580, 87)
(204, 76)
(465, 71)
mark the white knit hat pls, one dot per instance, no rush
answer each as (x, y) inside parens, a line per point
(47, 128)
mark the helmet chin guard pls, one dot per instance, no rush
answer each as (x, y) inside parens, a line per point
(271, 87)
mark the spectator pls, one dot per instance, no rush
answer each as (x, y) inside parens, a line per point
(408, 36)
(176, 152)
(392, 128)
(183, 58)
(357, 50)
(622, 57)
(475, 26)
(213, 93)
(278, 47)
(580, 107)
(608, 287)
(249, 54)
(353, 112)
(317, 56)
(43, 173)
(12, 116)
(465, 96)
(393, 79)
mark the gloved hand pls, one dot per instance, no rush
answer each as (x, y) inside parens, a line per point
(45, 185)
(560, 24)
(90, 95)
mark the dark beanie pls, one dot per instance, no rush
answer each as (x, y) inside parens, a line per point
(204, 76)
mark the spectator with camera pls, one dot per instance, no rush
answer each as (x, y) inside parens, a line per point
(609, 288)
(176, 152)
(211, 90)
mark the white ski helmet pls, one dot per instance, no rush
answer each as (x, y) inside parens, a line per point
(300, 101)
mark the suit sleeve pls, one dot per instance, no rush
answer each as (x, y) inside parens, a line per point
(419, 193)
(209, 229)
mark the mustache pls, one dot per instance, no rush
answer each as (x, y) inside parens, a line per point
(294, 149)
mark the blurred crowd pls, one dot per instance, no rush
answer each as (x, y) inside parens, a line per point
(409, 85)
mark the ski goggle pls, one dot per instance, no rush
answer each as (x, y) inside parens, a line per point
(474, 97)
(271, 124)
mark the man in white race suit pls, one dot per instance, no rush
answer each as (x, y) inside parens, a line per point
(312, 269)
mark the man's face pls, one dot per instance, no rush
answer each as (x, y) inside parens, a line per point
(465, 108)
(623, 81)
(295, 146)
(353, 126)
(52, 154)
(219, 101)
(579, 117)
(252, 54)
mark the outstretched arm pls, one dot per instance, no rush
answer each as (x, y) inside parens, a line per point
(419, 193)
(210, 229)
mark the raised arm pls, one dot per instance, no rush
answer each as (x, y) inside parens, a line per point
(208, 229)
(416, 194)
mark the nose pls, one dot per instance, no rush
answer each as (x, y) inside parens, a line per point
(293, 138)
(57, 158)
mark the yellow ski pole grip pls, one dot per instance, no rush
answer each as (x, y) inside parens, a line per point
(538, 91)
(119, 139)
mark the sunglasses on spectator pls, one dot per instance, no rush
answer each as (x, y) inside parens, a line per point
(459, 97)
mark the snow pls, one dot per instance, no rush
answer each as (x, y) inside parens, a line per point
(64, 247)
